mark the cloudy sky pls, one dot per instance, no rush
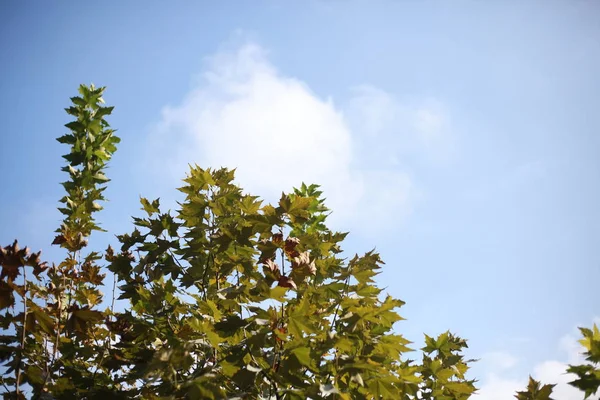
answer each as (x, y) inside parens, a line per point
(459, 138)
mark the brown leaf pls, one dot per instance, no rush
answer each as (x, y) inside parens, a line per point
(280, 331)
(312, 268)
(11, 258)
(91, 273)
(110, 254)
(272, 266)
(302, 260)
(81, 318)
(284, 281)
(60, 239)
(277, 238)
(303, 266)
(290, 246)
(39, 268)
(120, 326)
(35, 262)
(7, 298)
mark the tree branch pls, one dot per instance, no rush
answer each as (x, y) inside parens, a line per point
(23, 333)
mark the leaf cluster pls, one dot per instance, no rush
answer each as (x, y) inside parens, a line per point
(588, 374)
(54, 343)
(228, 298)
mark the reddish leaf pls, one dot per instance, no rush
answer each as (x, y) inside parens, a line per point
(60, 239)
(284, 281)
(7, 298)
(91, 273)
(11, 259)
(290, 246)
(272, 266)
(277, 238)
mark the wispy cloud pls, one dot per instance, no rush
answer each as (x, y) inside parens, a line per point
(422, 127)
(500, 361)
(245, 114)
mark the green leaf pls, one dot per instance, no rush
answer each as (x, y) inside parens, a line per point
(78, 101)
(75, 126)
(88, 315)
(34, 374)
(461, 387)
(44, 321)
(297, 325)
(100, 177)
(302, 354)
(67, 139)
(103, 111)
(149, 207)
(229, 325)
(535, 391)
(382, 389)
(278, 293)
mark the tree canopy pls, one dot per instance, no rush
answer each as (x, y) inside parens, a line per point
(228, 298)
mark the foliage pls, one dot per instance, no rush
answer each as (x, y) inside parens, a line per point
(588, 375)
(535, 391)
(57, 342)
(228, 298)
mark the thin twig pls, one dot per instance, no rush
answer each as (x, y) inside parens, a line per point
(337, 309)
(272, 384)
(335, 317)
(5, 387)
(112, 304)
(282, 257)
(101, 357)
(205, 274)
(23, 333)
(57, 337)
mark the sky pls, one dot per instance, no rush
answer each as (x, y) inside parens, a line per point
(460, 139)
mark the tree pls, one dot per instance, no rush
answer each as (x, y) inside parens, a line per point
(228, 298)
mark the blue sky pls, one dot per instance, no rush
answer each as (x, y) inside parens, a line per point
(459, 138)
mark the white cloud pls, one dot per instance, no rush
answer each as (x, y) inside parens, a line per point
(499, 361)
(498, 388)
(496, 385)
(422, 126)
(245, 114)
(373, 109)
